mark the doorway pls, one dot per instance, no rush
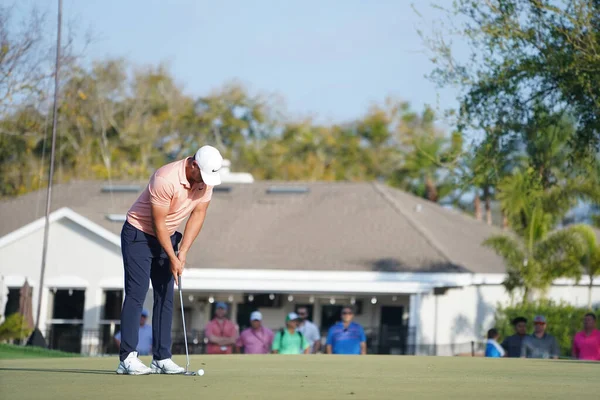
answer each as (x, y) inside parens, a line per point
(392, 338)
(243, 314)
(330, 315)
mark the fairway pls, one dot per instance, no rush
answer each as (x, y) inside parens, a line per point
(305, 377)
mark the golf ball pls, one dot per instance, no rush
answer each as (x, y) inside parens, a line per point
(200, 372)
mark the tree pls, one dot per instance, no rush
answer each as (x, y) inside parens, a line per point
(428, 157)
(24, 53)
(485, 166)
(590, 255)
(14, 327)
(521, 53)
(533, 263)
(235, 120)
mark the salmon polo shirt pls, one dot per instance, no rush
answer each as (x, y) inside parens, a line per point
(587, 347)
(168, 187)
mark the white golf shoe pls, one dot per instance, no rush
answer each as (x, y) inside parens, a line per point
(166, 366)
(132, 365)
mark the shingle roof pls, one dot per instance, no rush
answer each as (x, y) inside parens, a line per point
(333, 226)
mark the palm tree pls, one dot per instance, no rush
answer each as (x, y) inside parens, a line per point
(538, 255)
(590, 255)
(533, 264)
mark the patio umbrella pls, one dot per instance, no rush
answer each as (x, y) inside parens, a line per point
(26, 305)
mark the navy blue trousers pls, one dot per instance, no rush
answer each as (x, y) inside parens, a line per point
(145, 259)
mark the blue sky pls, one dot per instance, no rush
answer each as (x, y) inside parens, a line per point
(330, 59)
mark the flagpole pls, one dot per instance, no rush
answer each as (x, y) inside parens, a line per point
(51, 173)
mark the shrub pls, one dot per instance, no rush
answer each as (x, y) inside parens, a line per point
(14, 327)
(563, 320)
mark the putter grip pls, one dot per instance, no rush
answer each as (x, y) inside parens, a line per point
(179, 279)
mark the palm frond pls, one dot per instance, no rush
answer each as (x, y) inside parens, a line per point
(590, 260)
(507, 248)
(560, 255)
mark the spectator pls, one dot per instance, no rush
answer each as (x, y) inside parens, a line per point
(222, 334)
(257, 339)
(346, 337)
(309, 330)
(512, 344)
(492, 348)
(540, 344)
(288, 340)
(586, 344)
(144, 346)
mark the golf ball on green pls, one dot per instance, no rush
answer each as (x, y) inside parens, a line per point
(200, 372)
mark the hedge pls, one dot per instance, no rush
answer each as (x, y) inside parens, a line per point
(563, 320)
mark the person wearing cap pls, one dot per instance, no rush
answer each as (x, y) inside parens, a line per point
(288, 340)
(512, 344)
(540, 344)
(586, 344)
(149, 245)
(221, 333)
(257, 339)
(144, 346)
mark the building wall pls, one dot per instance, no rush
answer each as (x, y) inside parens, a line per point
(465, 314)
(76, 259)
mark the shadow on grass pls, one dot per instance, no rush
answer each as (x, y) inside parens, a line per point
(61, 370)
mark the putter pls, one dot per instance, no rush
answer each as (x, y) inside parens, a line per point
(187, 356)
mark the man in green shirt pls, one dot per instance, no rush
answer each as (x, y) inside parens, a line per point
(289, 340)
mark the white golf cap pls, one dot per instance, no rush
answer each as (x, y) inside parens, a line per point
(256, 316)
(210, 162)
(292, 317)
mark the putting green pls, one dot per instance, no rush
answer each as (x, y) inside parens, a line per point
(305, 377)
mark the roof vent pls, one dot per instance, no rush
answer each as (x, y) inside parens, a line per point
(225, 189)
(287, 190)
(122, 188)
(116, 217)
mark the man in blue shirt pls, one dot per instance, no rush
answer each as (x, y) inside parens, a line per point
(144, 346)
(346, 337)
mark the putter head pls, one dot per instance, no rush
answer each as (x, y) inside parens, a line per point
(189, 373)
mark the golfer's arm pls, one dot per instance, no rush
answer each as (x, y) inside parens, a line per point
(363, 348)
(159, 217)
(193, 226)
(328, 349)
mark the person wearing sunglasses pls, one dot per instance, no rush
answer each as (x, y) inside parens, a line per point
(347, 337)
(309, 330)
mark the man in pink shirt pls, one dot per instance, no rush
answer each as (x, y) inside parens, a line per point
(149, 243)
(221, 332)
(257, 339)
(586, 345)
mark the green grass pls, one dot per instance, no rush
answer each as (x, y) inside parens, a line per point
(10, 351)
(306, 377)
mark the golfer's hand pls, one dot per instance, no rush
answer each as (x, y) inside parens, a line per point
(176, 269)
(182, 256)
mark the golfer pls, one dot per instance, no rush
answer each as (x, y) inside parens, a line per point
(149, 243)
